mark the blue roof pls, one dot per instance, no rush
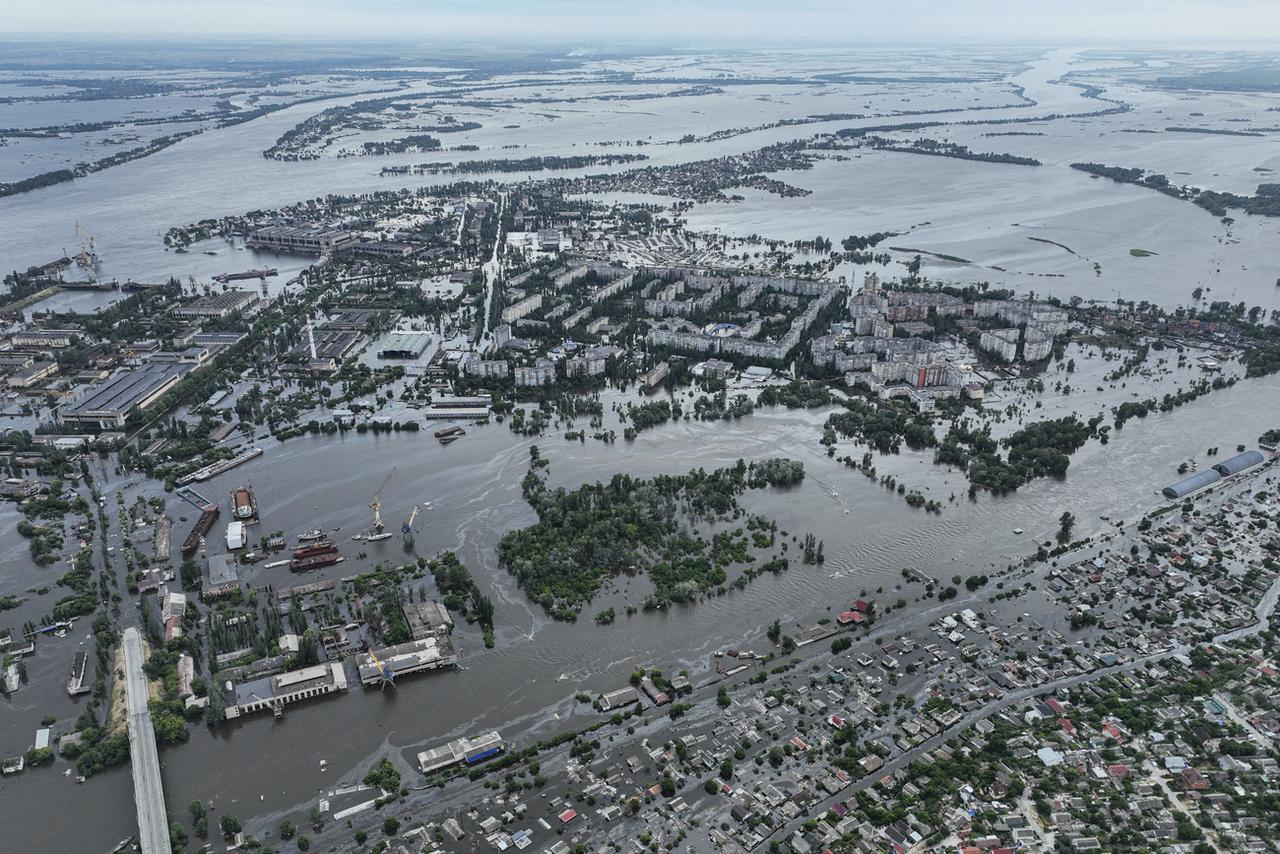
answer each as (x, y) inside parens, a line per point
(1188, 485)
(1238, 463)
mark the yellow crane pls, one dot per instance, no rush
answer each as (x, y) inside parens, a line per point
(386, 676)
(376, 504)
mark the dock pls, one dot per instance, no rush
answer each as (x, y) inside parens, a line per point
(144, 757)
(79, 667)
(194, 498)
(163, 528)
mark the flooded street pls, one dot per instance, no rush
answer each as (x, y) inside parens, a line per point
(526, 685)
(1006, 224)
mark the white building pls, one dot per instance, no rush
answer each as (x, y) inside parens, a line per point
(543, 372)
(1000, 342)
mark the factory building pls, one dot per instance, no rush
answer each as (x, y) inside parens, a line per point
(299, 240)
(1233, 466)
(216, 305)
(54, 339)
(469, 750)
(107, 407)
(274, 692)
(427, 653)
(405, 345)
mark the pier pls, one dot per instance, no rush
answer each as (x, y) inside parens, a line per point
(144, 758)
(189, 495)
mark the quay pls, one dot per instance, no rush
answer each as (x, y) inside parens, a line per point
(144, 758)
(189, 495)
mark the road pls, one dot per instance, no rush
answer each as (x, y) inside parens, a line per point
(144, 758)
(1261, 614)
(492, 270)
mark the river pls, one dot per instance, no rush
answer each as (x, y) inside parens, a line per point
(257, 767)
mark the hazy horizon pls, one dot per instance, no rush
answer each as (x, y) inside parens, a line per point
(818, 22)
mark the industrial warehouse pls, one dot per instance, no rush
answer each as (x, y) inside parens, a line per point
(469, 750)
(1200, 480)
(107, 407)
(274, 692)
(416, 656)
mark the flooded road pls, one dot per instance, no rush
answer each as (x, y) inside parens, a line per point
(525, 686)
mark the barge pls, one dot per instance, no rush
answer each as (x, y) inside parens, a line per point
(218, 468)
(320, 548)
(203, 525)
(306, 564)
(243, 505)
(247, 274)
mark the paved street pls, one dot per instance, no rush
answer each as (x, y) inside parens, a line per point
(148, 793)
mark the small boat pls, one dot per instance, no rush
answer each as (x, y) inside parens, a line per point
(371, 538)
(1017, 530)
(312, 535)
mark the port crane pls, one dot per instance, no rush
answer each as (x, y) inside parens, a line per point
(88, 257)
(376, 504)
(406, 530)
(386, 676)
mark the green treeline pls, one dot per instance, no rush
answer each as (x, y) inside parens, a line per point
(1264, 202)
(631, 525)
(1038, 450)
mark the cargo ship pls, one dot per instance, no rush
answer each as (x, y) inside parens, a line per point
(321, 548)
(305, 564)
(247, 274)
(203, 525)
(243, 505)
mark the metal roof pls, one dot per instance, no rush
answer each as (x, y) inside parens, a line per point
(1238, 463)
(1188, 485)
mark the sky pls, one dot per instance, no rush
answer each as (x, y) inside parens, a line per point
(671, 22)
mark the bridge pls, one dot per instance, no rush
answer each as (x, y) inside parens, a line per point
(144, 758)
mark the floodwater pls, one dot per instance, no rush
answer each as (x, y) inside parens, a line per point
(977, 211)
(524, 687)
(258, 768)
